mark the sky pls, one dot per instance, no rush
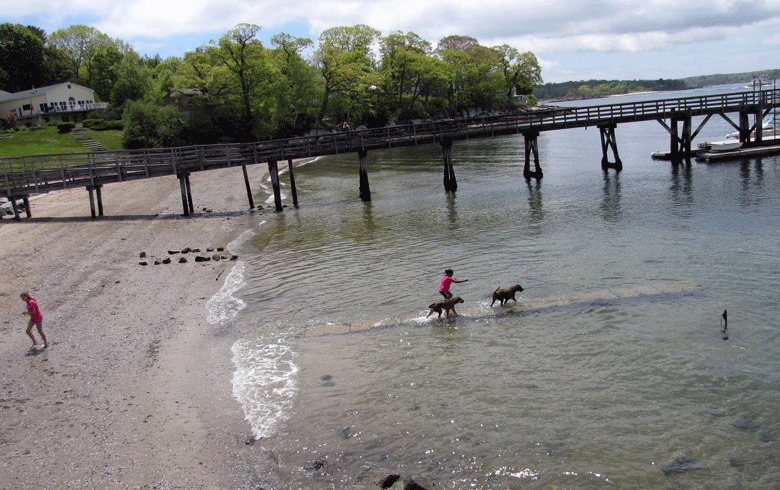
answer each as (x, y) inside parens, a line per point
(573, 40)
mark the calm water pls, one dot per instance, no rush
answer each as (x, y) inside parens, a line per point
(336, 362)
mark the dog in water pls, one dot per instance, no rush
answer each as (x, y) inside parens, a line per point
(504, 295)
(445, 305)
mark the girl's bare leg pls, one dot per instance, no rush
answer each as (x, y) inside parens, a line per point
(30, 334)
(39, 324)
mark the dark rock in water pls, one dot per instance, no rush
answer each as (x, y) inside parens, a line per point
(172, 252)
(142, 263)
(220, 249)
(142, 255)
(234, 257)
(318, 464)
(186, 250)
(209, 249)
(747, 423)
(215, 257)
(680, 464)
(195, 250)
(166, 260)
(182, 260)
(418, 483)
(736, 462)
(157, 262)
(200, 258)
(388, 481)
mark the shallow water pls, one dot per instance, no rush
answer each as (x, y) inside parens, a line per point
(599, 376)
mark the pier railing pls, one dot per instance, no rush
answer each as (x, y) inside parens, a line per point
(22, 176)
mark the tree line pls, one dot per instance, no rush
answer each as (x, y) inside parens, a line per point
(604, 88)
(235, 88)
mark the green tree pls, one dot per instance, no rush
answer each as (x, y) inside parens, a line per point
(140, 119)
(22, 60)
(134, 81)
(476, 77)
(297, 84)
(344, 61)
(409, 70)
(79, 43)
(522, 73)
(148, 125)
(242, 54)
(104, 70)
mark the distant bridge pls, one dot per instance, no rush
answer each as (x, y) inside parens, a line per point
(23, 176)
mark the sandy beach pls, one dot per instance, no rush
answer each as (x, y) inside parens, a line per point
(134, 390)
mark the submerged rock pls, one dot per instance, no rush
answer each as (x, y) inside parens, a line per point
(680, 464)
(388, 481)
(747, 423)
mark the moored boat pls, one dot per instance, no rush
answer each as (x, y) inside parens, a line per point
(719, 146)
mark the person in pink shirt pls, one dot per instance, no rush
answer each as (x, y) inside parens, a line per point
(35, 319)
(446, 280)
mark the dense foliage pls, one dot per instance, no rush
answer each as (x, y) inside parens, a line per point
(236, 89)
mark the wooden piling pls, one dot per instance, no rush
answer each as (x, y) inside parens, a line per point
(186, 193)
(248, 187)
(292, 183)
(95, 189)
(608, 141)
(273, 170)
(531, 146)
(450, 183)
(365, 190)
(15, 207)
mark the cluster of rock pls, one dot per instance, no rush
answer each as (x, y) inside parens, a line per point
(216, 255)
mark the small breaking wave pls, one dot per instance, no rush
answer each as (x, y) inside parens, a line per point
(264, 383)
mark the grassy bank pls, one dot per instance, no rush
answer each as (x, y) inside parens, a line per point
(49, 141)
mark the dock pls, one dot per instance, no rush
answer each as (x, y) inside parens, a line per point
(768, 147)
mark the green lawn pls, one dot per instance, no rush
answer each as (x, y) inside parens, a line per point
(110, 139)
(49, 141)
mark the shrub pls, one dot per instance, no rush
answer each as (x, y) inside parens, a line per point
(102, 124)
(65, 127)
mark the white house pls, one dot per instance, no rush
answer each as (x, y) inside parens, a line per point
(62, 102)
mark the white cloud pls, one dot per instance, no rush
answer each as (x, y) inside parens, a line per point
(545, 27)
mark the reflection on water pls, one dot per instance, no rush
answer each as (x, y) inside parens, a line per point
(611, 204)
(601, 392)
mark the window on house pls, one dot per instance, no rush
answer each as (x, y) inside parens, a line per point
(43, 108)
(27, 108)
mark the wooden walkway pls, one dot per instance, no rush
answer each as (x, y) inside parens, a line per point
(24, 176)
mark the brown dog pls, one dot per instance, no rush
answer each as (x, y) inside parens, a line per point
(445, 305)
(504, 295)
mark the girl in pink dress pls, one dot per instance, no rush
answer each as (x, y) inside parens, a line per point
(35, 319)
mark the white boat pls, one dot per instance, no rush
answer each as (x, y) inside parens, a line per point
(769, 126)
(758, 82)
(719, 146)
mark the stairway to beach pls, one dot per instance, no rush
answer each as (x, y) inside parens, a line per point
(82, 135)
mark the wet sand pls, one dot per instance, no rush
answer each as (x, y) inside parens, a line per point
(134, 390)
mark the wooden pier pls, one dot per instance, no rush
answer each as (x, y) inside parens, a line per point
(24, 176)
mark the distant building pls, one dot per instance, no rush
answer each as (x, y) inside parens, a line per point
(62, 102)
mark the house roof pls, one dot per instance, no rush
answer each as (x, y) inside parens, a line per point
(5, 96)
